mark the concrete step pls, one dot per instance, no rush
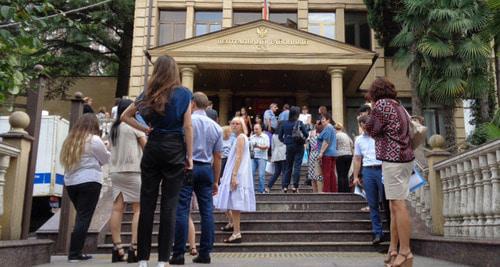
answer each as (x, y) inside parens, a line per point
(304, 205)
(285, 225)
(279, 236)
(283, 215)
(308, 197)
(284, 247)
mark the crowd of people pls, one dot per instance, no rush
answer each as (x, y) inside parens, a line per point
(169, 140)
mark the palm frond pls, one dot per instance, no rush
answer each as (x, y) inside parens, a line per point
(441, 14)
(448, 90)
(473, 47)
(459, 25)
(453, 68)
(403, 39)
(477, 85)
(434, 47)
(403, 59)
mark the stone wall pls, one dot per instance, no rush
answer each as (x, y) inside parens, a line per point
(100, 89)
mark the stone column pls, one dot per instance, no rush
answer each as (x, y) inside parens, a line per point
(15, 178)
(227, 14)
(224, 103)
(469, 214)
(437, 154)
(337, 93)
(187, 76)
(494, 162)
(189, 18)
(444, 174)
(302, 15)
(301, 98)
(478, 202)
(340, 24)
(487, 211)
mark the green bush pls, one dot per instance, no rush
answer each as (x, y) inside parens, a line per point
(487, 131)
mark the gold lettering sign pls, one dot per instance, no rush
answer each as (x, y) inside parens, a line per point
(262, 43)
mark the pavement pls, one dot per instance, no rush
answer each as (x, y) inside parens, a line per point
(271, 259)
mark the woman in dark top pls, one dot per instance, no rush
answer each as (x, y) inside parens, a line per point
(294, 148)
(165, 106)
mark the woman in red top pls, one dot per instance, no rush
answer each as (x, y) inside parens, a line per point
(389, 125)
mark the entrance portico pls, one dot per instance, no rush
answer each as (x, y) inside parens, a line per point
(261, 49)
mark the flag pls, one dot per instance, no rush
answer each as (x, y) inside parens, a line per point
(265, 10)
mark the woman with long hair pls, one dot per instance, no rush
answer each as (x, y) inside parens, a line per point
(246, 119)
(236, 191)
(389, 125)
(294, 148)
(82, 155)
(127, 144)
(165, 105)
(314, 169)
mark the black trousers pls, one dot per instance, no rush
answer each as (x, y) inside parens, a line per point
(162, 163)
(84, 197)
(343, 166)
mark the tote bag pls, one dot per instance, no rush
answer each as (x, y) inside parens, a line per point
(416, 180)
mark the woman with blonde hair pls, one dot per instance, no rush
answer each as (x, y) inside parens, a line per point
(83, 154)
(236, 191)
(165, 105)
(127, 144)
(345, 148)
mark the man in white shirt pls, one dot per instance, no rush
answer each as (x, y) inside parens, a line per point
(259, 143)
(364, 154)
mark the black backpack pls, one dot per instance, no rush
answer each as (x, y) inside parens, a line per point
(297, 135)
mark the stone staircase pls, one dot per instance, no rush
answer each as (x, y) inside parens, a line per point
(303, 221)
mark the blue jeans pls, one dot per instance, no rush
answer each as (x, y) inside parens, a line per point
(279, 166)
(294, 154)
(260, 165)
(203, 179)
(374, 189)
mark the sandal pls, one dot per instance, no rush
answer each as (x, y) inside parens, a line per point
(227, 228)
(407, 260)
(193, 251)
(118, 253)
(132, 253)
(233, 239)
(390, 256)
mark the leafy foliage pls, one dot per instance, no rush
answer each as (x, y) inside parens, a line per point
(447, 46)
(487, 131)
(381, 17)
(96, 41)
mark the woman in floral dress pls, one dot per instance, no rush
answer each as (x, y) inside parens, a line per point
(314, 170)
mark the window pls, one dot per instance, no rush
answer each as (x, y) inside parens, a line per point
(172, 26)
(207, 22)
(285, 19)
(357, 31)
(322, 24)
(242, 17)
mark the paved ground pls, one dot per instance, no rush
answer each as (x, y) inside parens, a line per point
(339, 259)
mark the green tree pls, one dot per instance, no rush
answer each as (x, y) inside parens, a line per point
(18, 44)
(95, 41)
(495, 31)
(444, 47)
(381, 18)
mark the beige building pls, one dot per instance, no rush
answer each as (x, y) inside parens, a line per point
(309, 52)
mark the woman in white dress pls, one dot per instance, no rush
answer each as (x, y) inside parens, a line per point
(236, 190)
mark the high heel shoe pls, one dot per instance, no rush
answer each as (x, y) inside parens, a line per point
(227, 228)
(132, 253)
(406, 262)
(390, 256)
(117, 254)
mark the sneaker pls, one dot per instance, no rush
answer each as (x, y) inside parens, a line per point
(81, 257)
(143, 263)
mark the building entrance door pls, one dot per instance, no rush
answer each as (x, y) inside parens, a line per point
(256, 105)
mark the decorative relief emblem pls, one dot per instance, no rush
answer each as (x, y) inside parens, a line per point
(262, 32)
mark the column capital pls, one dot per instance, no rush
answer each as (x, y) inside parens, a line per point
(189, 3)
(188, 68)
(225, 93)
(337, 70)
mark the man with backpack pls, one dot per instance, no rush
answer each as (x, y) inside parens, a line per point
(327, 154)
(293, 134)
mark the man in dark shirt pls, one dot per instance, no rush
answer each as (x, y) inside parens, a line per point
(212, 113)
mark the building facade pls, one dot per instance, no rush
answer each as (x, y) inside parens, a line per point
(307, 52)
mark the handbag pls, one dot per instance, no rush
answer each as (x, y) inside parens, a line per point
(418, 132)
(270, 168)
(416, 180)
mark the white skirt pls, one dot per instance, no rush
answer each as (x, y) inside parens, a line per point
(128, 184)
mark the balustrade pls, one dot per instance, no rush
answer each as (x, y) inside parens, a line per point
(471, 192)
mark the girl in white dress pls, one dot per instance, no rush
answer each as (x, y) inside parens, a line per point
(236, 190)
